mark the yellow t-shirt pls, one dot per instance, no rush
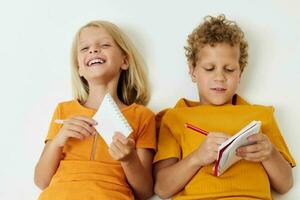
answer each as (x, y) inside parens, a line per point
(87, 171)
(243, 180)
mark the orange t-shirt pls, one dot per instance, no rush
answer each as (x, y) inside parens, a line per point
(244, 179)
(87, 170)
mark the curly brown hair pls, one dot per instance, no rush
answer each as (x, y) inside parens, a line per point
(216, 30)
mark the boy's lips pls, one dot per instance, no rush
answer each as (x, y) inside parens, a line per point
(218, 89)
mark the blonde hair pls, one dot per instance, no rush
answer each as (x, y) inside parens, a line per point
(133, 86)
(216, 30)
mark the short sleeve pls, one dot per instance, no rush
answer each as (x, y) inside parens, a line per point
(168, 146)
(146, 132)
(54, 127)
(277, 139)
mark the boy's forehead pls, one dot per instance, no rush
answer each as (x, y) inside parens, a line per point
(219, 50)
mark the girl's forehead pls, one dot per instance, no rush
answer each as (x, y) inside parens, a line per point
(94, 33)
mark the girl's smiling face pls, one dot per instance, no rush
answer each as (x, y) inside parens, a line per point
(99, 57)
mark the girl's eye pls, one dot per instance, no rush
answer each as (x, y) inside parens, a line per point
(105, 45)
(84, 49)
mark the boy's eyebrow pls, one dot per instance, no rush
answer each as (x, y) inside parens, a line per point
(206, 63)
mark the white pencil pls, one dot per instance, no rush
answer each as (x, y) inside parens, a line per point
(59, 121)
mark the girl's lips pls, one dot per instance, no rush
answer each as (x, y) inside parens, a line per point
(97, 60)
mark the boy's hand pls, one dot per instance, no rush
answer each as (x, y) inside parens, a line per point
(208, 151)
(78, 127)
(261, 150)
(121, 148)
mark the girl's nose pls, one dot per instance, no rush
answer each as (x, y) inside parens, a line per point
(94, 50)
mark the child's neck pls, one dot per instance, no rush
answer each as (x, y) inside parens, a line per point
(97, 93)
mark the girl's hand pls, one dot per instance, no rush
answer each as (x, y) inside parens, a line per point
(78, 127)
(261, 150)
(121, 148)
(208, 151)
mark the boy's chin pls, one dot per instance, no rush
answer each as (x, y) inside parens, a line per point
(220, 102)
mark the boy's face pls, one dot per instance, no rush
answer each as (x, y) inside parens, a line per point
(217, 73)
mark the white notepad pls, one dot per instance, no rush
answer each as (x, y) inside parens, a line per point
(110, 120)
(227, 150)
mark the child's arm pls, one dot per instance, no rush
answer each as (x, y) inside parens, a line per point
(76, 127)
(136, 163)
(171, 176)
(47, 165)
(277, 168)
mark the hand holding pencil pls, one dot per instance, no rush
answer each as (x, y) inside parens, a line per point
(207, 152)
(78, 127)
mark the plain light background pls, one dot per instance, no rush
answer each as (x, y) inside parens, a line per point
(36, 36)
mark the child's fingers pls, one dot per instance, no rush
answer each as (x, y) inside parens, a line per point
(116, 150)
(257, 137)
(88, 120)
(251, 148)
(79, 129)
(75, 134)
(256, 156)
(112, 152)
(84, 125)
(218, 135)
(217, 140)
(119, 136)
(119, 145)
(130, 142)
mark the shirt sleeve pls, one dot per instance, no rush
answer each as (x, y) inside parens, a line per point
(146, 132)
(276, 138)
(168, 146)
(54, 127)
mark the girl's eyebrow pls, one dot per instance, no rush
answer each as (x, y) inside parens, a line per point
(99, 39)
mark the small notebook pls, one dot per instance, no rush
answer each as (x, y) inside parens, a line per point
(227, 150)
(110, 120)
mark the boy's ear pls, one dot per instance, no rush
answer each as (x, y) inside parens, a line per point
(192, 72)
(125, 64)
(240, 76)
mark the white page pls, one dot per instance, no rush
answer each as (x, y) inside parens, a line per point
(240, 139)
(110, 120)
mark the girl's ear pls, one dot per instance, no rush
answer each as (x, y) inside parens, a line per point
(80, 71)
(125, 63)
(192, 72)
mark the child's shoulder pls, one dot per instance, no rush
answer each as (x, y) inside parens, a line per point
(68, 103)
(69, 106)
(140, 110)
(180, 107)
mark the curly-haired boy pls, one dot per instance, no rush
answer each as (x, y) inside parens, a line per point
(217, 55)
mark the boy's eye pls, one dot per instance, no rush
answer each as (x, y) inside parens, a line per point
(208, 69)
(229, 69)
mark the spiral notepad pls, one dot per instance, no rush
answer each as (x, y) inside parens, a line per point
(110, 120)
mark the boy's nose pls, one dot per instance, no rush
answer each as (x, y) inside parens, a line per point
(220, 76)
